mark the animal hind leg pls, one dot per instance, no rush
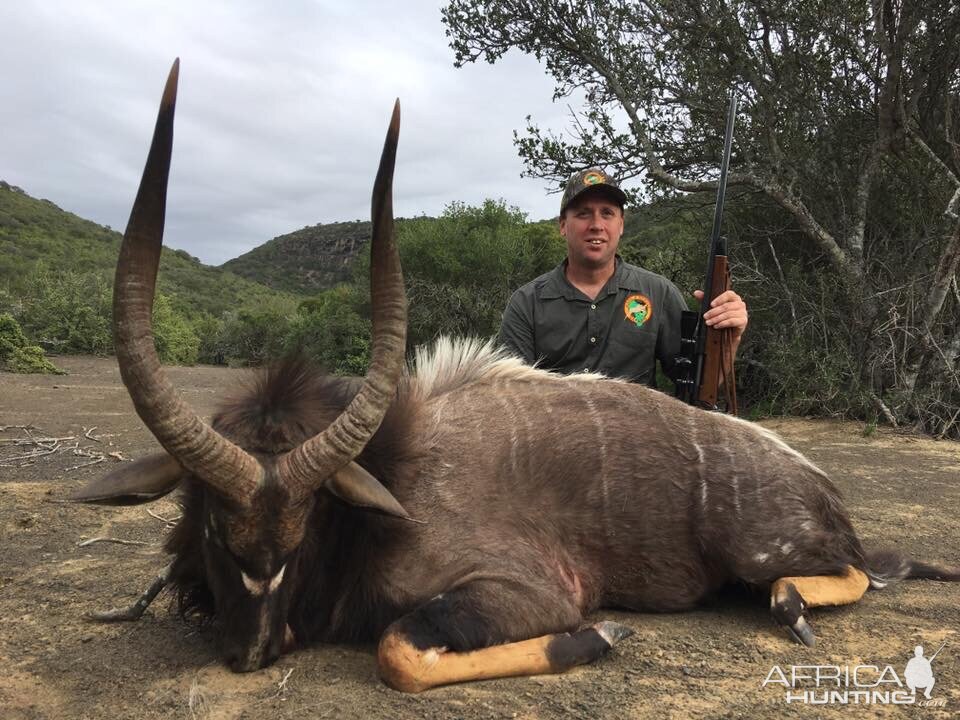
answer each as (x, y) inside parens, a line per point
(791, 596)
(478, 632)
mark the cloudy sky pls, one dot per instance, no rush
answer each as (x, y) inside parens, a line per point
(281, 113)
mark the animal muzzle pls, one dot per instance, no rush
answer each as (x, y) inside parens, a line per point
(259, 650)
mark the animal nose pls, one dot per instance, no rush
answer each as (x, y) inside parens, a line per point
(240, 664)
(248, 662)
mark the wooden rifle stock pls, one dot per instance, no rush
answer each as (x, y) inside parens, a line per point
(718, 349)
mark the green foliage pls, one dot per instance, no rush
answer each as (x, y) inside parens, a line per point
(56, 275)
(461, 268)
(250, 335)
(174, 337)
(330, 329)
(37, 231)
(16, 354)
(670, 238)
(70, 312)
(67, 311)
(305, 261)
(34, 230)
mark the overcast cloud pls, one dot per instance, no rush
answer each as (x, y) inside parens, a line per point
(281, 113)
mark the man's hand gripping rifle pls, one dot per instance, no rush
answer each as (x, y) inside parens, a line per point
(705, 361)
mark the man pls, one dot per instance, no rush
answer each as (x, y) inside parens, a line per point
(594, 312)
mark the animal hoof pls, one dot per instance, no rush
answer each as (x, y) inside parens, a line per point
(787, 606)
(612, 632)
(802, 632)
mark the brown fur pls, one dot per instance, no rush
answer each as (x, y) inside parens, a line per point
(545, 497)
(541, 497)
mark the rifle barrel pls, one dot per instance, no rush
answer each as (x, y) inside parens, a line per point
(717, 246)
(724, 165)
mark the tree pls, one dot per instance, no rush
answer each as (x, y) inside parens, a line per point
(460, 268)
(846, 155)
(66, 311)
(252, 334)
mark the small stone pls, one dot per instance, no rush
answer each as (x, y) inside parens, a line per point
(28, 521)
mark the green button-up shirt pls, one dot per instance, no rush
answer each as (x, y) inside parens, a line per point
(633, 322)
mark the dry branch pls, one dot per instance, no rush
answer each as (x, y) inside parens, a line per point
(118, 541)
(44, 446)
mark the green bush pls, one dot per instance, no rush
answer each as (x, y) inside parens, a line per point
(16, 355)
(329, 329)
(174, 336)
(67, 311)
(251, 335)
(461, 268)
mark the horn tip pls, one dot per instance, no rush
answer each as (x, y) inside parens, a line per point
(170, 91)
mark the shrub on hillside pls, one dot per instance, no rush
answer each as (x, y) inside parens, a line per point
(174, 337)
(329, 329)
(16, 354)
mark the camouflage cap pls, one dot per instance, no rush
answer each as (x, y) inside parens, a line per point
(593, 179)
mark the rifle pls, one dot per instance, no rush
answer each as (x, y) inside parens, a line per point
(706, 354)
(934, 656)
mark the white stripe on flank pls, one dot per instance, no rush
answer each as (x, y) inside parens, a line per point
(599, 433)
(510, 417)
(735, 484)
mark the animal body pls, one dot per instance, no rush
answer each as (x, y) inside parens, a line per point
(468, 512)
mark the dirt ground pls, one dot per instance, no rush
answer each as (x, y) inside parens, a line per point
(902, 491)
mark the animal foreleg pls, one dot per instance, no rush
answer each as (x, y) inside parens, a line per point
(791, 596)
(136, 610)
(454, 638)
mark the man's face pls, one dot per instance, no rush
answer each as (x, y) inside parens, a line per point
(592, 226)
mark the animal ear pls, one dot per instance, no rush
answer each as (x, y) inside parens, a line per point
(356, 486)
(133, 483)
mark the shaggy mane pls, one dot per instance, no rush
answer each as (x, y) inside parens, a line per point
(282, 405)
(451, 363)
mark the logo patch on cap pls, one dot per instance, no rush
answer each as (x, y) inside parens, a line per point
(593, 178)
(638, 309)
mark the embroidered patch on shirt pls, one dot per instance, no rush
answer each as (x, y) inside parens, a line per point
(638, 309)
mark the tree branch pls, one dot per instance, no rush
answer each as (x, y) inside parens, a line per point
(950, 210)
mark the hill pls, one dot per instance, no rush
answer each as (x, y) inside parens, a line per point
(318, 257)
(307, 260)
(34, 231)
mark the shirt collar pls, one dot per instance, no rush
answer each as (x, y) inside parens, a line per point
(558, 286)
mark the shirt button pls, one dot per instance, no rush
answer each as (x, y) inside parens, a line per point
(593, 339)
(593, 307)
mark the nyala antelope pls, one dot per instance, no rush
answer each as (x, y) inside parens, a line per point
(469, 511)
